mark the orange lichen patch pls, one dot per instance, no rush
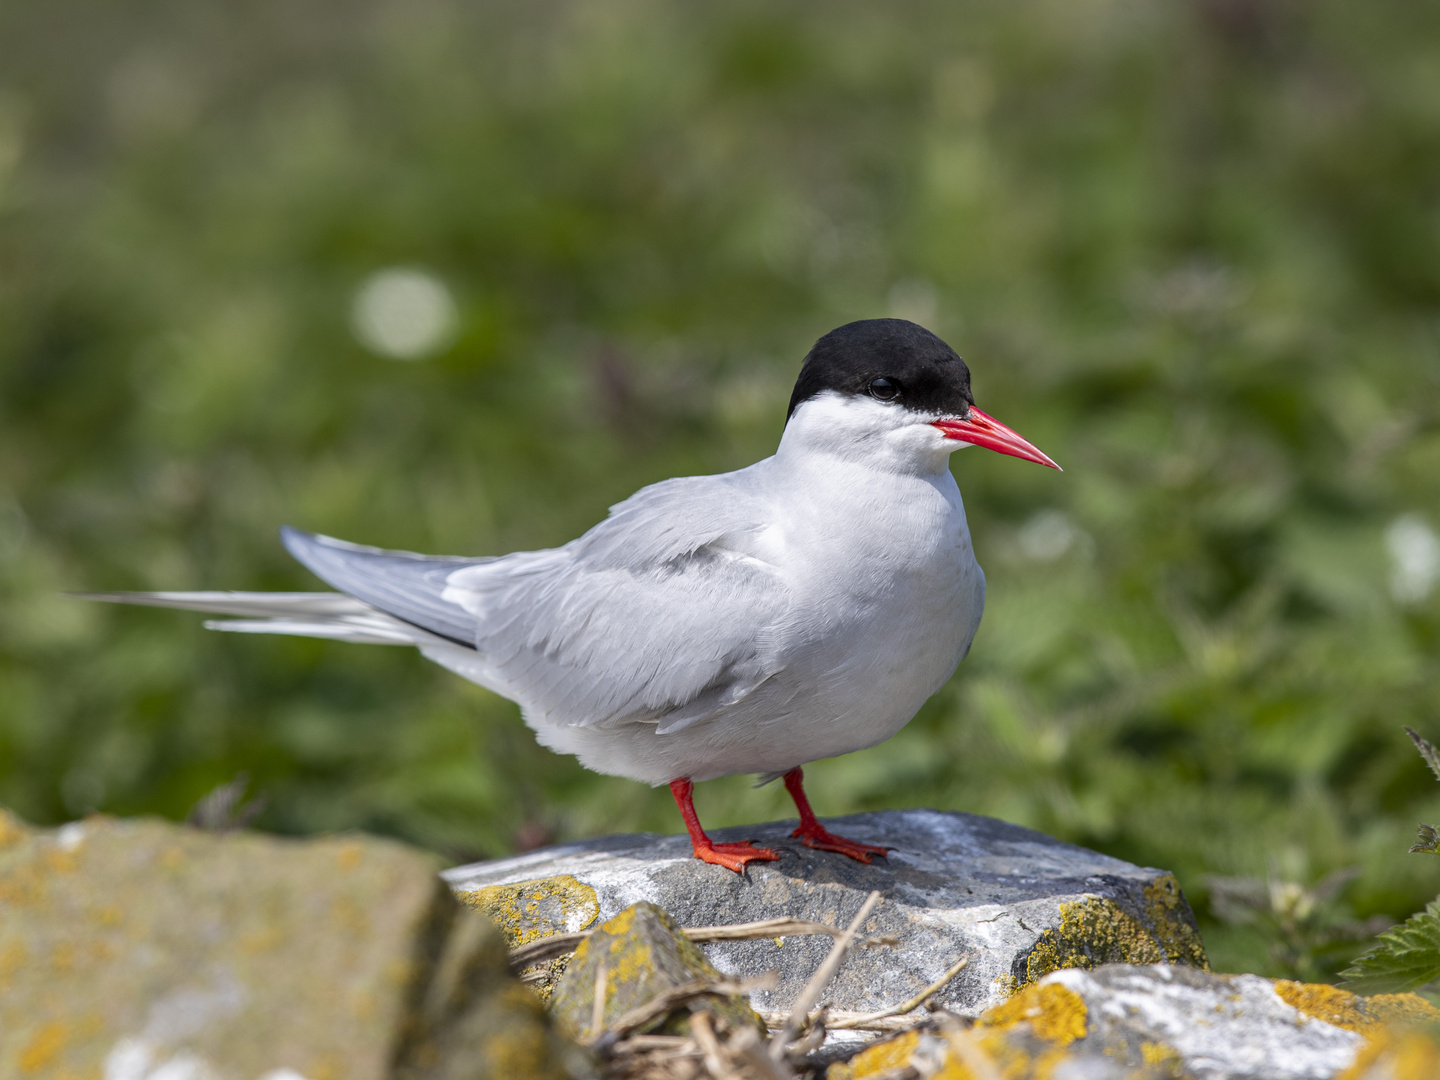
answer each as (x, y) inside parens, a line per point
(1364, 1016)
(890, 1054)
(1410, 1055)
(1054, 1012)
(43, 1048)
(1329, 1003)
(348, 857)
(894, 1055)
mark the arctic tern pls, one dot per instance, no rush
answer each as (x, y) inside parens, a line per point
(749, 622)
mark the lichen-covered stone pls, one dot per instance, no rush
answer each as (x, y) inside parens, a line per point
(138, 949)
(527, 910)
(644, 955)
(1098, 930)
(1018, 903)
(1123, 1022)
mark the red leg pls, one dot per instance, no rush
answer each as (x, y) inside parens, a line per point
(731, 856)
(814, 835)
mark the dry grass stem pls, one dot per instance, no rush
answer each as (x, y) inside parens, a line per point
(965, 1045)
(845, 1022)
(663, 1004)
(821, 979)
(751, 1050)
(709, 1046)
(597, 1007)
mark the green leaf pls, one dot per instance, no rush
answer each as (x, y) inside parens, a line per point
(1406, 957)
(1429, 842)
(1427, 750)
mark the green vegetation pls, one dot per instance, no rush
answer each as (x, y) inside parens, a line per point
(1407, 957)
(1191, 250)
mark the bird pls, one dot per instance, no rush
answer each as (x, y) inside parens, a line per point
(754, 621)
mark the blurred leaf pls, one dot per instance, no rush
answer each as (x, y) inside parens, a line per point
(1407, 957)
(1428, 843)
(1427, 751)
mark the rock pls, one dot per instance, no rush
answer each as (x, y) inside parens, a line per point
(140, 949)
(644, 955)
(1121, 1021)
(475, 1021)
(1018, 903)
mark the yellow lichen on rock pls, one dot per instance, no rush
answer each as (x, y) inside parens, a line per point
(1173, 929)
(1401, 1009)
(1097, 930)
(1092, 931)
(1367, 1016)
(528, 910)
(1328, 1003)
(890, 1054)
(1406, 1055)
(1054, 1012)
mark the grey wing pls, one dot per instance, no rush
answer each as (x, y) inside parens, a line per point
(407, 586)
(654, 616)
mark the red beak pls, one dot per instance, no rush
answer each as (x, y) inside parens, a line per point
(977, 429)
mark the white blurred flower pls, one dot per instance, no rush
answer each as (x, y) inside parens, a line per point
(1414, 558)
(1047, 536)
(403, 313)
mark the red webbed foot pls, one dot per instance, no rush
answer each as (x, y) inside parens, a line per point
(822, 839)
(814, 835)
(734, 856)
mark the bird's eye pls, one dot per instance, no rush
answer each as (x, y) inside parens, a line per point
(883, 389)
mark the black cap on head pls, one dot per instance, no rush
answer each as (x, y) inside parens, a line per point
(892, 360)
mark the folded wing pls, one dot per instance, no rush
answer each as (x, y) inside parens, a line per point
(658, 615)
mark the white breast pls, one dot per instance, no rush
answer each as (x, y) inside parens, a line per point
(887, 597)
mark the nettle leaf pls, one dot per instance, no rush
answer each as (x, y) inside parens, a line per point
(1427, 750)
(1406, 957)
(1429, 841)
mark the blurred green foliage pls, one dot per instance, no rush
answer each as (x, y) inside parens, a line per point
(1191, 250)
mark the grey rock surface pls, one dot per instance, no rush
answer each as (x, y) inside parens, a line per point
(1212, 1027)
(1018, 903)
(1125, 1022)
